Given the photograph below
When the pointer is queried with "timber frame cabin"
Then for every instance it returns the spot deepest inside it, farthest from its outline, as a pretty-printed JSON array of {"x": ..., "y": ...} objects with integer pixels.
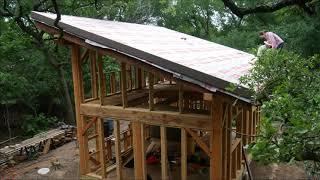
[{"x": 166, "y": 79}]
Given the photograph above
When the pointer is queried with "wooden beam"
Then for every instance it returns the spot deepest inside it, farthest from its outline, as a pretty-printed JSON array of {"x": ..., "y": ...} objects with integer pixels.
[
  {"x": 180, "y": 101},
  {"x": 102, "y": 80},
  {"x": 216, "y": 140},
  {"x": 160, "y": 118},
  {"x": 124, "y": 85},
  {"x": 184, "y": 163},
  {"x": 112, "y": 82},
  {"x": 228, "y": 128},
  {"x": 79, "y": 98},
  {"x": 101, "y": 147},
  {"x": 88, "y": 125},
  {"x": 117, "y": 148},
  {"x": 139, "y": 78},
  {"x": 137, "y": 150},
  {"x": 202, "y": 145},
  {"x": 84, "y": 55},
  {"x": 239, "y": 129},
  {"x": 164, "y": 155},
  {"x": 151, "y": 91},
  {"x": 93, "y": 71},
  {"x": 143, "y": 152}
]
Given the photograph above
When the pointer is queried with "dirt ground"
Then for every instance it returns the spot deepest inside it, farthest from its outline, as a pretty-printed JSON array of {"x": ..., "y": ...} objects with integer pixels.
[{"x": 68, "y": 157}]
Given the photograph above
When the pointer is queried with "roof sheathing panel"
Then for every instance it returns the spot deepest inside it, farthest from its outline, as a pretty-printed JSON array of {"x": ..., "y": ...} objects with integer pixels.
[{"x": 191, "y": 58}]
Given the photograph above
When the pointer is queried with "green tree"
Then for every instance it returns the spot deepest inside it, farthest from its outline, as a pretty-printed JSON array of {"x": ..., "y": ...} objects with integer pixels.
[{"x": 288, "y": 87}]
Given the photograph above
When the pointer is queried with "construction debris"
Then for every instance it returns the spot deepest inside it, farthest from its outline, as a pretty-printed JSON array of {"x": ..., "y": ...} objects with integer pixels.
[{"x": 39, "y": 144}]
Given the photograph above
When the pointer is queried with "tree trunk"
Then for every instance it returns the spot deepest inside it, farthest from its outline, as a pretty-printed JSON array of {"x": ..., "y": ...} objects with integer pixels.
[{"x": 66, "y": 92}]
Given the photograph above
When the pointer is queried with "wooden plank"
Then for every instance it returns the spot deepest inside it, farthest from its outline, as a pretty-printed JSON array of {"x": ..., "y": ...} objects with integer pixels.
[
  {"x": 202, "y": 144},
  {"x": 143, "y": 152},
  {"x": 216, "y": 140},
  {"x": 246, "y": 126},
  {"x": 180, "y": 101},
  {"x": 117, "y": 148},
  {"x": 239, "y": 130},
  {"x": 207, "y": 96},
  {"x": 101, "y": 147},
  {"x": 160, "y": 118},
  {"x": 129, "y": 77},
  {"x": 234, "y": 164},
  {"x": 124, "y": 85},
  {"x": 151, "y": 91},
  {"x": 164, "y": 155},
  {"x": 93, "y": 72},
  {"x": 137, "y": 150},
  {"x": 250, "y": 128},
  {"x": 46, "y": 146},
  {"x": 229, "y": 141},
  {"x": 88, "y": 125},
  {"x": 102, "y": 80},
  {"x": 184, "y": 163},
  {"x": 112, "y": 82},
  {"x": 84, "y": 55},
  {"x": 79, "y": 98},
  {"x": 139, "y": 78}
]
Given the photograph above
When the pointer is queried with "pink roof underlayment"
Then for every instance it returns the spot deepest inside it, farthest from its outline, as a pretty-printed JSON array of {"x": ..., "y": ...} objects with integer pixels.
[{"x": 208, "y": 64}]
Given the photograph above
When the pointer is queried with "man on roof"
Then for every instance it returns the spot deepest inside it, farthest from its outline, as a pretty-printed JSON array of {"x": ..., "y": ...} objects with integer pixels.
[{"x": 271, "y": 40}]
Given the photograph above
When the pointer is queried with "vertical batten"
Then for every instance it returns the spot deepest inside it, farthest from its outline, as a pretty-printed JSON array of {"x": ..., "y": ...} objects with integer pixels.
[
  {"x": 143, "y": 154},
  {"x": 137, "y": 150},
  {"x": 124, "y": 85},
  {"x": 180, "y": 101},
  {"x": 94, "y": 77},
  {"x": 101, "y": 148},
  {"x": 79, "y": 98},
  {"x": 216, "y": 140},
  {"x": 151, "y": 82},
  {"x": 184, "y": 165},
  {"x": 102, "y": 82},
  {"x": 117, "y": 148},
  {"x": 164, "y": 156}
]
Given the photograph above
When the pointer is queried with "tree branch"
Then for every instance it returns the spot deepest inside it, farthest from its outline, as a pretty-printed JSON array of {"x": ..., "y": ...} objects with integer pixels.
[{"x": 266, "y": 8}]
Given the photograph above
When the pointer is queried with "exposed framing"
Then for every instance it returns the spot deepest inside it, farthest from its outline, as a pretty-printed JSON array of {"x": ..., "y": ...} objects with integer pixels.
[{"x": 188, "y": 107}]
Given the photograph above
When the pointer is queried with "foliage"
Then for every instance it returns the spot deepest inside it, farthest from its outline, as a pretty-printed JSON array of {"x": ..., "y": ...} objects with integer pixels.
[
  {"x": 35, "y": 124},
  {"x": 288, "y": 85}
]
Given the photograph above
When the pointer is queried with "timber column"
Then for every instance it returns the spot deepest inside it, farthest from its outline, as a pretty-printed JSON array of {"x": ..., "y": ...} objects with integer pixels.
[
  {"x": 78, "y": 99},
  {"x": 216, "y": 165}
]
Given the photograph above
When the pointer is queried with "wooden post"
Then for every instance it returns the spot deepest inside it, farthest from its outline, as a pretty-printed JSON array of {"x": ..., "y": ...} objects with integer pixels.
[
  {"x": 102, "y": 82},
  {"x": 112, "y": 82},
  {"x": 143, "y": 78},
  {"x": 124, "y": 85},
  {"x": 151, "y": 103},
  {"x": 184, "y": 163},
  {"x": 216, "y": 140},
  {"x": 79, "y": 98},
  {"x": 139, "y": 78},
  {"x": 250, "y": 124},
  {"x": 246, "y": 126},
  {"x": 143, "y": 154},
  {"x": 180, "y": 101},
  {"x": 228, "y": 142},
  {"x": 137, "y": 150},
  {"x": 164, "y": 156},
  {"x": 94, "y": 77},
  {"x": 239, "y": 130},
  {"x": 101, "y": 147},
  {"x": 117, "y": 148},
  {"x": 129, "y": 77}
]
